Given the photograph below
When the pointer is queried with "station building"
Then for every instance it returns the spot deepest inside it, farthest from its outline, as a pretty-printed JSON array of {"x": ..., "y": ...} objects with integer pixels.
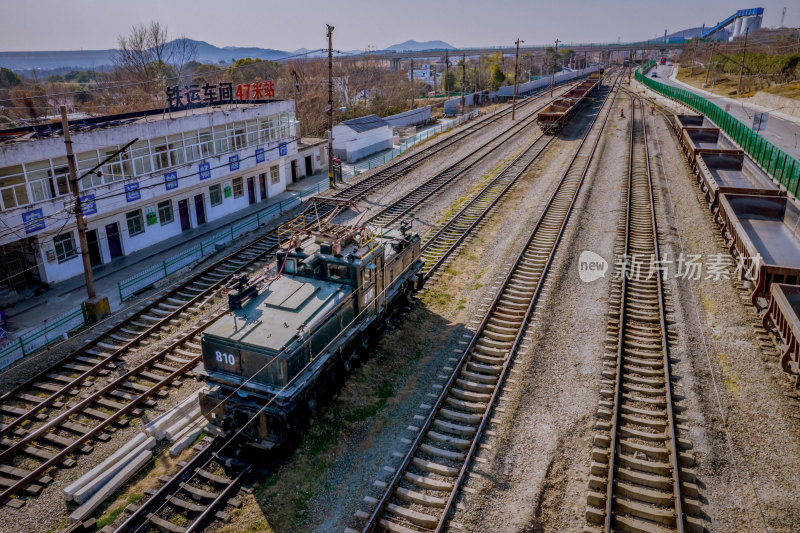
[
  {"x": 187, "y": 167},
  {"x": 360, "y": 137}
]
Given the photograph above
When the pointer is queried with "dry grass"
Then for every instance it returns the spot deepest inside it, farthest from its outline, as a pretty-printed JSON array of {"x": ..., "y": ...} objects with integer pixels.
[
  {"x": 787, "y": 90},
  {"x": 726, "y": 84}
]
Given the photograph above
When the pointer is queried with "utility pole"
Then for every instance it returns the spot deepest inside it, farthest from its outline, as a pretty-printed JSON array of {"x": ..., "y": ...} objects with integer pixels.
[
  {"x": 330, "y": 104},
  {"x": 694, "y": 52},
  {"x": 463, "y": 81},
  {"x": 555, "y": 66},
  {"x": 411, "y": 77},
  {"x": 516, "y": 77},
  {"x": 80, "y": 222},
  {"x": 708, "y": 65},
  {"x": 446, "y": 73},
  {"x": 744, "y": 54}
]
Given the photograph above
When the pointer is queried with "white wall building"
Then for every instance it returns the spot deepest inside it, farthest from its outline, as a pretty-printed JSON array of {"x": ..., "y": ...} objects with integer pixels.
[
  {"x": 187, "y": 168},
  {"x": 425, "y": 75},
  {"x": 359, "y": 137}
]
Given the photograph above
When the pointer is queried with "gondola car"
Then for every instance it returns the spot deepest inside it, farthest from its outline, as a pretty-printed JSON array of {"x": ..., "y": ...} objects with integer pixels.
[{"x": 270, "y": 360}]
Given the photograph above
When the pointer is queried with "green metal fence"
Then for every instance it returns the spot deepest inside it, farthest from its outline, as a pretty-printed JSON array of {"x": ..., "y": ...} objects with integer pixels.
[
  {"x": 51, "y": 331},
  {"x": 784, "y": 168},
  {"x": 147, "y": 277}
]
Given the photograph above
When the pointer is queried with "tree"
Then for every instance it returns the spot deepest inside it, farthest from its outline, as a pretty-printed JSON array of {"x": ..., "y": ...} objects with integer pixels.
[
  {"x": 498, "y": 77},
  {"x": 9, "y": 79},
  {"x": 247, "y": 70}
]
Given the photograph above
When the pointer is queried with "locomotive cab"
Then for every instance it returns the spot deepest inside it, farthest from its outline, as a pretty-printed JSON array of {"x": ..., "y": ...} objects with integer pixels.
[{"x": 268, "y": 361}]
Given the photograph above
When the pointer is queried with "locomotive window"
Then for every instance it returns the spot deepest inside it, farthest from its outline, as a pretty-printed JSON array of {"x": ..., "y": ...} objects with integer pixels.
[
  {"x": 290, "y": 267},
  {"x": 337, "y": 272},
  {"x": 369, "y": 276}
]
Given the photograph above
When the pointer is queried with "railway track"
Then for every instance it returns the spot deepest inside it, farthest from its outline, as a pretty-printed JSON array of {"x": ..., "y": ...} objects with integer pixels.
[
  {"x": 195, "y": 496},
  {"x": 423, "y": 489},
  {"x": 392, "y": 213},
  {"x": 451, "y": 234},
  {"x": 640, "y": 476},
  {"x": 405, "y": 165},
  {"x": 40, "y": 422}
]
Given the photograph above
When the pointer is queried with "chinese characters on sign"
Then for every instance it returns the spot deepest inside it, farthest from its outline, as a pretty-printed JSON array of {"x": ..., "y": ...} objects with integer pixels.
[
  {"x": 233, "y": 162},
  {"x": 33, "y": 220},
  {"x": 205, "y": 171},
  {"x": 171, "y": 180},
  {"x": 260, "y": 157},
  {"x": 210, "y": 94},
  {"x": 132, "y": 192},
  {"x": 282, "y": 150},
  {"x": 88, "y": 205}
]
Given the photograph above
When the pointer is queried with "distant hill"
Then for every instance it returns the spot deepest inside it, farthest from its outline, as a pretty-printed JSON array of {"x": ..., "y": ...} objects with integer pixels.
[
  {"x": 64, "y": 60},
  {"x": 417, "y": 46},
  {"x": 103, "y": 59}
]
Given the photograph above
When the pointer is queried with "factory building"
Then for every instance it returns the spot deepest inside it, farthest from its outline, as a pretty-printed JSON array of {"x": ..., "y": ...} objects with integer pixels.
[
  {"x": 186, "y": 168},
  {"x": 360, "y": 137}
]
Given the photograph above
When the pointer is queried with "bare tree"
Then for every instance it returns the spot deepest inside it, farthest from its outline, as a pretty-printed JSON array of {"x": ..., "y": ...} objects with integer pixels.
[
  {"x": 182, "y": 51},
  {"x": 143, "y": 53}
]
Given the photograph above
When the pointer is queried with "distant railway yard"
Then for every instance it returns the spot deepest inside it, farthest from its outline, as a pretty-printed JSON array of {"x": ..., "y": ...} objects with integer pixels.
[{"x": 581, "y": 319}]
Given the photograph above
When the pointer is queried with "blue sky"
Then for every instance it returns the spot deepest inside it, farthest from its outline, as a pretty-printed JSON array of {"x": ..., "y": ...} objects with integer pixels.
[{"x": 288, "y": 25}]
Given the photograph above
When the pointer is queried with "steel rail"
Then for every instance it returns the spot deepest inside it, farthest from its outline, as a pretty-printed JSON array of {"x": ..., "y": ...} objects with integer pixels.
[
  {"x": 383, "y": 176},
  {"x": 20, "y": 444},
  {"x": 142, "y": 515},
  {"x": 391, "y": 213},
  {"x": 621, "y": 348},
  {"x": 374, "y": 519},
  {"x": 76, "y": 409},
  {"x": 446, "y": 229}
]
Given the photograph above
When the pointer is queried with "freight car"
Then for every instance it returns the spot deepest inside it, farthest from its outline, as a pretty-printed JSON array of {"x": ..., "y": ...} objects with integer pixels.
[
  {"x": 722, "y": 172},
  {"x": 760, "y": 231},
  {"x": 783, "y": 314},
  {"x": 267, "y": 364},
  {"x": 553, "y": 117}
]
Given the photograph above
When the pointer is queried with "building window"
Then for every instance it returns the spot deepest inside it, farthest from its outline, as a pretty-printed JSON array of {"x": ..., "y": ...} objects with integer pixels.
[
  {"x": 135, "y": 223},
  {"x": 160, "y": 154},
  {"x": 65, "y": 247},
  {"x": 165, "y": 212},
  {"x": 238, "y": 187},
  {"x": 140, "y": 155},
  {"x": 274, "y": 175},
  {"x": 206, "y": 143},
  {"x": 215, "y": 192}
]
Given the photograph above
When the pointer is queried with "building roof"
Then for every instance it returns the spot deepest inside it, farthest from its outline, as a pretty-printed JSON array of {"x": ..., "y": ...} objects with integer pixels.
[
  {"x": 81, "y": 125},
  {"x": 370, "y": 122}
]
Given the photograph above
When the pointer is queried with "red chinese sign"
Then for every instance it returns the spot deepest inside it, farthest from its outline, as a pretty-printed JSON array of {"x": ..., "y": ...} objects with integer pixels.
[{"x": 212, "y": 94}]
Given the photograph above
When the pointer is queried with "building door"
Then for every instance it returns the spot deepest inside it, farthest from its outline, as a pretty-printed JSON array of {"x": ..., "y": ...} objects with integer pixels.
[
  {"x": 262, "y": 184},
  {"x": 183, "y": 213},
  {"x": 294, "y": 170},
  {"x": 309, "y": 170},
  {"x": 251, "y": 189},
  {"x": 114, "y": 244},
  {"x": 94, "y": 248},
  {"x": 200, "y": 209}
]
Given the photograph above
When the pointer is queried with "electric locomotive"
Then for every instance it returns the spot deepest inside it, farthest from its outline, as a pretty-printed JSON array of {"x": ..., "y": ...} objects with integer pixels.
[{"x": 267, "y": 362}]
